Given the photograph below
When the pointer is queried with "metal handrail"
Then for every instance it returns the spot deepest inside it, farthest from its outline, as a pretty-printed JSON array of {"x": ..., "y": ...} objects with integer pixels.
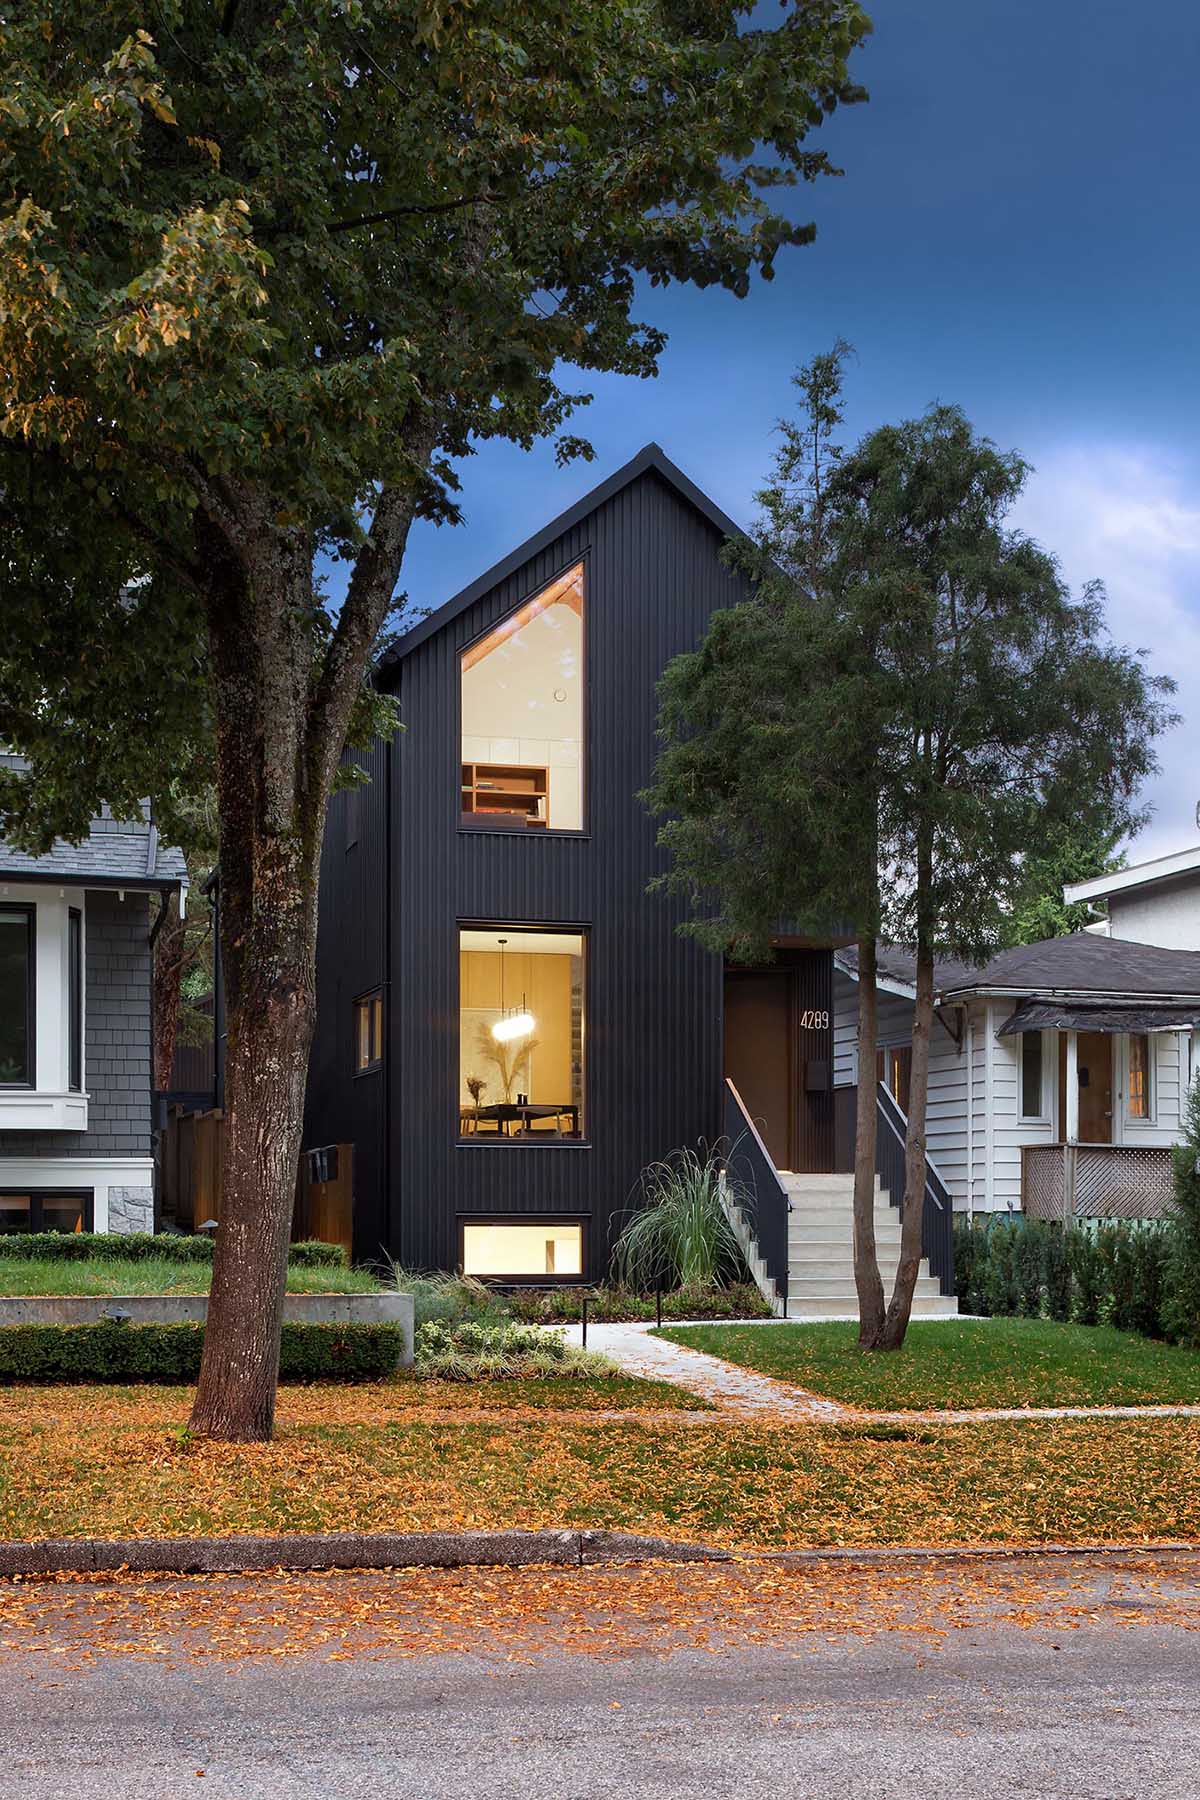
[
  {"x": 937, "y": 1211},
  {"x": 770, "y": 1197}
]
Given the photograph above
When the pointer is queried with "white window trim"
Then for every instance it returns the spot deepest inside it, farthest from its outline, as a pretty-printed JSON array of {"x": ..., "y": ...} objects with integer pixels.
[{"x": 51, "y": 1104}]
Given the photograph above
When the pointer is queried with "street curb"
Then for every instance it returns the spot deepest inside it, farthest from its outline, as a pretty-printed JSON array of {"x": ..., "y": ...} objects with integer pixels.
[
  {"x": 929, "y": 1553},
  {"x": 344, "y": 1550}
]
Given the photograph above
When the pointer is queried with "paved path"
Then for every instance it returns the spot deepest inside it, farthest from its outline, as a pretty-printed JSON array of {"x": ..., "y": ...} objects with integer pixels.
[
  {"x": 1000, "y": 1692},
  {"x": 752, "y": 1395},
  {"x": 731, "y": 1389}
]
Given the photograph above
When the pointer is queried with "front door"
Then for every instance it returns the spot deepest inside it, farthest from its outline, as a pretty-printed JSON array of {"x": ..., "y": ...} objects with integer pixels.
[
  {"x": 1095, "y": 1086},
  {"x": 758, "y": 1054}
]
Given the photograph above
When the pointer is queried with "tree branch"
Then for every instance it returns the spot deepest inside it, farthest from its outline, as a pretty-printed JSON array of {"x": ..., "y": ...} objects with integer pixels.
[{"x": 401, "y": 212}]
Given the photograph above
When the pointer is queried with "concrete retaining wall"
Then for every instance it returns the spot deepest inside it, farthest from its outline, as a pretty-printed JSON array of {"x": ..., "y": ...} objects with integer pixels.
[{"x": 192, "y": 1309}]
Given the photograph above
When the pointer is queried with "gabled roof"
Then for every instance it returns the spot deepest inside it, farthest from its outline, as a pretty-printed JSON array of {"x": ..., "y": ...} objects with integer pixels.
[
  {"x": 115, "y": 853},
  {"x": 651, "y": 460},
  {"x": 1080, "y": 963},
  {"x": 1141, "y": 875}
]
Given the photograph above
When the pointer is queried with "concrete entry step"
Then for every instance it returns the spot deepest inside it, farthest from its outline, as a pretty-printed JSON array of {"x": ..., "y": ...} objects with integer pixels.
[{"x": 941, "y": 1306}]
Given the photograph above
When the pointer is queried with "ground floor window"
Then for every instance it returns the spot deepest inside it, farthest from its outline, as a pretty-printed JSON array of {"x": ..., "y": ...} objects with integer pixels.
[
  {"x": 893, "y": 1067},
  {"x": 521, "y": 1034},
  {"x": 1140, "y": 1097},
  {"x": 506, "y": 1251},
  {"x": 45, "y": 1212}
]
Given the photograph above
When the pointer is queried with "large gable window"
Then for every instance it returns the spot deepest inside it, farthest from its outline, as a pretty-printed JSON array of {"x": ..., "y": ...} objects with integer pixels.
[
  {"x": 522, "y": 716},
  {"x": 16, "y": 996}
]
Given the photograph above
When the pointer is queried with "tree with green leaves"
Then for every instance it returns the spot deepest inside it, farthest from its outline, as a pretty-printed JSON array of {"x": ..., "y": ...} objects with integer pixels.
[
  {"x": 901, "y": 729},
  {"x": 266, "y": 269},
  {"x": 1071, "y": 853}
]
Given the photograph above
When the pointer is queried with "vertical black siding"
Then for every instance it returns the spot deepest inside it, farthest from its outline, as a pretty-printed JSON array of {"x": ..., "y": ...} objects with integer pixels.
[{"x": 653, "y": 1075}]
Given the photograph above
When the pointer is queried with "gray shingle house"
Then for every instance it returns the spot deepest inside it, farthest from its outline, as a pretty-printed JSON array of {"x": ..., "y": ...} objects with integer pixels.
[{"x": 75, "y": 1028}]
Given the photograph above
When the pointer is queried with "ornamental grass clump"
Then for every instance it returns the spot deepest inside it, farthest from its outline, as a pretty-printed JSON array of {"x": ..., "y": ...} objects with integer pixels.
[{"x": 680, "y": 1234}]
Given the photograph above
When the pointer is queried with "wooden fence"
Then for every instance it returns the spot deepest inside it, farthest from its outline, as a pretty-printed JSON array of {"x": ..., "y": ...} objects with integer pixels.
[{"x": 190, "y": 1150}]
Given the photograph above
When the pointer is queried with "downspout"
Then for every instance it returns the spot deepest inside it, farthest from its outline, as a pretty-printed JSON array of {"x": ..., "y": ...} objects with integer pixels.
[
  {"x": 970, "y": 1115},
  {"x": 989, "y": 1123},
  {"x": 388, "y": 1009}
]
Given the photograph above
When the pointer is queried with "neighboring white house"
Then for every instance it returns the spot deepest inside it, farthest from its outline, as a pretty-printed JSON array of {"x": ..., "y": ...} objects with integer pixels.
[
  {"x": 1154, "y": 902},
  {"x": 1058, "y": 1071},
  {"x": 75, "y": 1028}
]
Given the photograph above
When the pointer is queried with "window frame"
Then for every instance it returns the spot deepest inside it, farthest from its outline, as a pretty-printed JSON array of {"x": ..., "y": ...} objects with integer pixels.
[
  {"x": 29, "y": 1083},
  {"x": 1041, "y": 1116},
  {"x": 371, "y": 998},
  {"x": 1147, "y": 1117},
  {"x": 533, "y": 1140},
  {"x": 75, "y": 999},
  {"x": 37, "y": 1198},
  {"x": 582, "y": 562},
  {"x": 533, "y": 1220}
]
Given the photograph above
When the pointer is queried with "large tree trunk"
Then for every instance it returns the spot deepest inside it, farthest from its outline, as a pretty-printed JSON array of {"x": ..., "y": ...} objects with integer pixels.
[
  {"x": 867, "y": 1280},
  {"x": 900, "y": 1306},
  {"x": 169, "y": 947}
]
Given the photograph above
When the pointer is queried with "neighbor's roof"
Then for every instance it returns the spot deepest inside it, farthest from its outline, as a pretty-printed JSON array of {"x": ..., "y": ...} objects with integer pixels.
[
  {"x": 651, "y": 459},
  {"x": 115, "y": 853},
  {"x": 1141, "y": 875},
  {"x": 1080, "y": 963}
]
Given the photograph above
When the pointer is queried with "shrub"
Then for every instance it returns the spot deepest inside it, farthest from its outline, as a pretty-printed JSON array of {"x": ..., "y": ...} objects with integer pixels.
[
  {"x": 443, "y": 1297},
  {"x": 614, "y": 1305},
  {"x": 1181, "y": 1285},
  {"x": 473, "y": 1351},
  {"x": 999, "y": 1276},
  {"x": 1056, "y": 1272},
  {"x": 680, "y": 1234},
  {"x": 142, "y": 1246},
  {"x": 1028, "y": 1263},
  {"x": 1089, "y": 1279},
  {"x": 171, "y": 1353}
]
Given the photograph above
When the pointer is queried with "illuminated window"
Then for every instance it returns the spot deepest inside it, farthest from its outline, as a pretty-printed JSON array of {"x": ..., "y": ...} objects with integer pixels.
[
  {"x": 893, "y": 1067},
  {"x": 1031, "y": 1075},
  {"x": 522, "y": 716},
  {"x": 499, "y": 1252},
  {"x": 1139, "y": 1075},
  {"x": 368, "y": 1033},
  {"x": 521, "y": 1024},
  {"x": 45, "y": 1212}
]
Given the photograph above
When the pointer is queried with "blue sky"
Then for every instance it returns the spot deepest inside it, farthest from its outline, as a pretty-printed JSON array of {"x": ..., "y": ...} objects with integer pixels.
[{"x": 1016, "y": 231}]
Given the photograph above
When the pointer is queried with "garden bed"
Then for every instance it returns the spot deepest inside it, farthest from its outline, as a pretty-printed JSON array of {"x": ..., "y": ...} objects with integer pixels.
[
  {"x": 616, "y": 1306},
  {"x": 948, "y": 1364}
]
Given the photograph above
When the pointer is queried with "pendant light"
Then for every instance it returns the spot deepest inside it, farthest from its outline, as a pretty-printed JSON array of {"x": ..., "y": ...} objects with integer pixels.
[{"x": 514, "y": 1024}]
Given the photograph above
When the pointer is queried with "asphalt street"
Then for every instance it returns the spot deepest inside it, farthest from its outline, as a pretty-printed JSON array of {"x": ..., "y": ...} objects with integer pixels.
[{"x": 1093, "y": 1699}]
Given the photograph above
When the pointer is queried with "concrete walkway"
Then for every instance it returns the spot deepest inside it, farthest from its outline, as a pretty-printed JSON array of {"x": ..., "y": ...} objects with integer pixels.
[
  {"x": 751, "y": 1395},
  {"x": 729, "y": 1388}
]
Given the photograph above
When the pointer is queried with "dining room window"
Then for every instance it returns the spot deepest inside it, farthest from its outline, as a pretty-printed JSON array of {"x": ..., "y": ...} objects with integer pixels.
[
  {"x": 521, "y": 1035},
  {"x": 522, "y": 715}
]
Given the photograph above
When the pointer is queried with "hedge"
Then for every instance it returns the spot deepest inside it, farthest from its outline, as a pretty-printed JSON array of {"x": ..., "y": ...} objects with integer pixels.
[
  {"x": 117, "y": 1352},
  {"x": 1116, "y": 1274},
  {"x": 138, "y": 1246}
]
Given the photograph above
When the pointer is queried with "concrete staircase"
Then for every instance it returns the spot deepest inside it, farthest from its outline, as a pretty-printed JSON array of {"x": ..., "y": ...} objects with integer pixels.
[{"x": 821, "y": 1251}]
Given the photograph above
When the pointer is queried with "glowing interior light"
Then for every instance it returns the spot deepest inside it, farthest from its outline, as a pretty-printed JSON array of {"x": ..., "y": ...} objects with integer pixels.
[{"x": 515, "y": 1026}]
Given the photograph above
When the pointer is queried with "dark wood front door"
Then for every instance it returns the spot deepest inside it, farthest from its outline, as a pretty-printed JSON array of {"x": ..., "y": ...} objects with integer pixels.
[
  {"x": 758, "y": 1055},
  {"x": 1095, "y": 1087}
]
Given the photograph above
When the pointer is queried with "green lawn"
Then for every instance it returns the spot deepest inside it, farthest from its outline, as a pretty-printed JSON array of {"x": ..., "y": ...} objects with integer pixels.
[
  {"x": 951, "y": 1363},
  {"x": 111, "y": 1275}
]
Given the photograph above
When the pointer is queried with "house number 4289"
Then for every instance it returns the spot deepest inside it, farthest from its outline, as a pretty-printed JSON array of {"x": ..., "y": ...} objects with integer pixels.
[{"x": 814, "y": 1021}]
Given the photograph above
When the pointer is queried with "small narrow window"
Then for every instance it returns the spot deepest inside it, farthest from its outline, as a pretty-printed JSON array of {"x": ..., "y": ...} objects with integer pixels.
[
  {"x": 1139, "y": 1075},
  {"x": 16, "y": 996},
  {"x": 893, "y": 1069},
  {"x": 509, "y": 1251},
  {"x": 368, "y": 1033},
  {"x": 75, "y": 999},
  {"x": 1031, "y": 1075}
]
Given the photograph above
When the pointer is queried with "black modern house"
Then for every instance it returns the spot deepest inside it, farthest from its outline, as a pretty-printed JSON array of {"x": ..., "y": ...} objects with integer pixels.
[{"x": 509, "y": 1027}]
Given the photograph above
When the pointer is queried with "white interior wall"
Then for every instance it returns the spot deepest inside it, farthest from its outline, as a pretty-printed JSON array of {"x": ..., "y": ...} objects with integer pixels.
[{"x": 511, "y": 713}]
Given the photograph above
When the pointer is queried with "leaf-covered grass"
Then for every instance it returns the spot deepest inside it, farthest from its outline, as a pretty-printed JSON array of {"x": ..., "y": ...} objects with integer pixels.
[
  {"x": 364, "y": 1460},
  {"x": 155, "y": 1275},
  {"x": 947, "y": 1364}
]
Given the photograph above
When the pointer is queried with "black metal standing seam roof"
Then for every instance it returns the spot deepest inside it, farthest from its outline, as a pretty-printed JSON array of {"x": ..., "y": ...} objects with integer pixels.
[
  {"x": 651, "y": 459},
  {"x": 1081, "y": 962}
]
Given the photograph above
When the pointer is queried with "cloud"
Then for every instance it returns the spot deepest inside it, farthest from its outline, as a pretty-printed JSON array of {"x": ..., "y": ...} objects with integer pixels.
[{"x": 1131, "y": 517}]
